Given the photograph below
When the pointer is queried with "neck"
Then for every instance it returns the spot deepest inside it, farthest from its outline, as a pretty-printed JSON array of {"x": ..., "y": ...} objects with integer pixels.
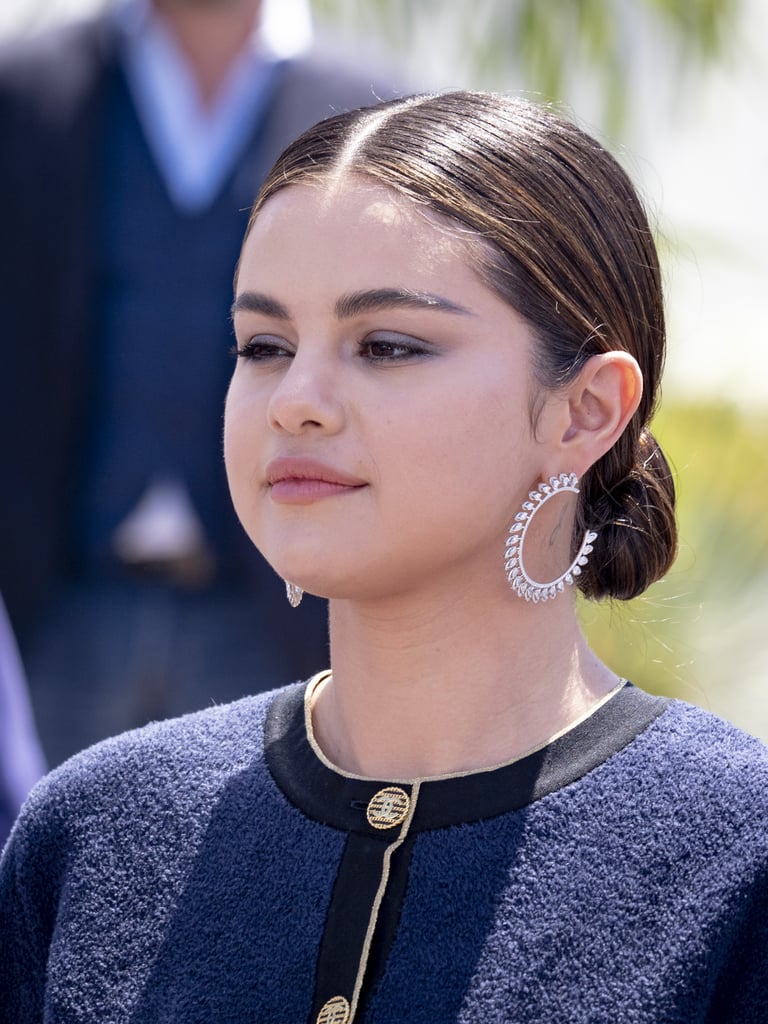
[
  {"x": 423, "y": 691},
  {"x": 211, "y": 36}
]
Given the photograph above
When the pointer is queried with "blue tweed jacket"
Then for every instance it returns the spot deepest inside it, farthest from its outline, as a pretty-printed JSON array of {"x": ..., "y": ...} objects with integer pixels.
[{"x": 216, "y": 868}]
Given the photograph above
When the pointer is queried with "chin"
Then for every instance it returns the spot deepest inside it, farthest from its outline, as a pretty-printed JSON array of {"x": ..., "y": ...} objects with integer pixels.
[{"x": 311, "y": 578}]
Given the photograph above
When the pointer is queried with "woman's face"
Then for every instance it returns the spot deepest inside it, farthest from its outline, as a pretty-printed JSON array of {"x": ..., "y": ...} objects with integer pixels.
[{"x": 377, "y": 432}]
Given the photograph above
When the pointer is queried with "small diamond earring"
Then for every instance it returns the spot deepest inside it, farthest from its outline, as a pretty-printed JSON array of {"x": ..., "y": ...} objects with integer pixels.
[{"x": 294, "y": 594}]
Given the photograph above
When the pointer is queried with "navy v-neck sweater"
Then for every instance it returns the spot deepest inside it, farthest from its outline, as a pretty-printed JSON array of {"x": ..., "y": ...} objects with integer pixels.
[{"x": 215, "y": 868}]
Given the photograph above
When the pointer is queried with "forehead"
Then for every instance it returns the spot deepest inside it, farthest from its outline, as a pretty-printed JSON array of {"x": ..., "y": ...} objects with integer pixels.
[{"x": 331, "y": 219}]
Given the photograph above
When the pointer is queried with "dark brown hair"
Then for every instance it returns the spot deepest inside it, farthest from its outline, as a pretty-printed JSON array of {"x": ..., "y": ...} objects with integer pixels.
[{"x": 570, "y": 249}]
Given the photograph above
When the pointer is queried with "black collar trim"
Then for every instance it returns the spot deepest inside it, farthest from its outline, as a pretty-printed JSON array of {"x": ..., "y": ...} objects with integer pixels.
[{"x": 340, "y": 801}]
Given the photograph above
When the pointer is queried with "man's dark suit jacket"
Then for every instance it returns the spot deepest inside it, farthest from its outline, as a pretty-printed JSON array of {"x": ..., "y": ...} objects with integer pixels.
[{"x": 52, "y": 91}]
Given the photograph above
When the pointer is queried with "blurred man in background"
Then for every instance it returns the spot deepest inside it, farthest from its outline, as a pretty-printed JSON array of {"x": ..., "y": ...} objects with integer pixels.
[{"x": 133, "y": 145}]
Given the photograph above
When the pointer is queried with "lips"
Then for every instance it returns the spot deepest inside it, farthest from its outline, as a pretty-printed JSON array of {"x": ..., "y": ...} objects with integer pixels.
[{"x": 295, "y": 480}]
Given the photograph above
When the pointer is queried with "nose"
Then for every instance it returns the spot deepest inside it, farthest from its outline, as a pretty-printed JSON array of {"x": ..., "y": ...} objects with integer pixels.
[{"x": 307, "y": 397}]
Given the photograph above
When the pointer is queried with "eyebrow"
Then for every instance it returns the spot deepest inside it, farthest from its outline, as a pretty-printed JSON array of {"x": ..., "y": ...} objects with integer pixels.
[
  {"x": 384, "y": 298},
  {"x": 354, "y": 303},
  {"x": 255, "y": 302}
]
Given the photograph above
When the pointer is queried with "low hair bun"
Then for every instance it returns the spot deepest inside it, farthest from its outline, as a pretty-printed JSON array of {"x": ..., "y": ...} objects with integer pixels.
[{"x": 635, "y": 521}]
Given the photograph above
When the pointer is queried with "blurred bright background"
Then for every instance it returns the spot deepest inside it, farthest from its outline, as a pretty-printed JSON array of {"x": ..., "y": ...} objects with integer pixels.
[{"x": 678, "y": 90}]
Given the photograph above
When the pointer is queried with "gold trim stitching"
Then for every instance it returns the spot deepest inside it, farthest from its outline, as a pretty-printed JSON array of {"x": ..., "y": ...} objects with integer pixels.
[
  {"x": 376, "y": 906},
  {"x": 321, "y": 677}
]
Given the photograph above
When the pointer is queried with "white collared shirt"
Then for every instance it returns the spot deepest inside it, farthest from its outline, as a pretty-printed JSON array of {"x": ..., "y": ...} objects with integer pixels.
[{"x": 195, "y": 145}]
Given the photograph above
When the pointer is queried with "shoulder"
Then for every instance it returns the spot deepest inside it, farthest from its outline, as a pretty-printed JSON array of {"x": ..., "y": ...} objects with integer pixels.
[
  {"x": 695, "y": 741},
  {"x": 709, "y": 816},
  {"x": 145, "y": 795},
  {"x": 170, "y": 770},
  {"x": 57, "y": 63},
  {"x": 221, "y": 738},
  {"x": 116, "y": 829},
  {"x": 698, "y": 779}
]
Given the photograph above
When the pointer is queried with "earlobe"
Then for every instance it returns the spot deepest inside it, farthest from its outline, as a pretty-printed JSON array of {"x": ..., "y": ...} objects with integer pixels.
[{"x": 600, "y": 402}]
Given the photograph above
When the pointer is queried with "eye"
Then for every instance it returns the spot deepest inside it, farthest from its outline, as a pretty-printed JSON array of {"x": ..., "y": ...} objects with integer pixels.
[
  {"x": 391, "y": 347},
  {"x": 264, "y": 347}
]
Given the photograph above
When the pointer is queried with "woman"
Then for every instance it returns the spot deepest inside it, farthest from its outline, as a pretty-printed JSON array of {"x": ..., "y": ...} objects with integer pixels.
[{"x": 449, "y": 337}]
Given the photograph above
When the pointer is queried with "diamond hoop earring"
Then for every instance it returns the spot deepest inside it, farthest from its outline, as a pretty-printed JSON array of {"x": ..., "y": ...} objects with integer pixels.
[
  {"x": 518, "y": 577},
  {"x": 293, "y": 593}
]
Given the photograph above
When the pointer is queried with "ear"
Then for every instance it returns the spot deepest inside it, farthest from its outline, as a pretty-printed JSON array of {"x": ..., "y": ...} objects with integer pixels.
[{"x": 594, "y": 410}]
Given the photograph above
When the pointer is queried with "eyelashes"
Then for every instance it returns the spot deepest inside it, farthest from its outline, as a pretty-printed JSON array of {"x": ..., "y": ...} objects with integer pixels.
[
  {"x": 386, "y": 347},
  {"x": 263, "y": 348},
  {"x": 391, "y": 347}
]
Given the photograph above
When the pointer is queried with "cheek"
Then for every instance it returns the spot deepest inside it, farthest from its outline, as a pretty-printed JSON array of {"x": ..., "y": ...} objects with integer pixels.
[
  {"x": 475, "y": 451},
  {"x": 240, "y": 449}
]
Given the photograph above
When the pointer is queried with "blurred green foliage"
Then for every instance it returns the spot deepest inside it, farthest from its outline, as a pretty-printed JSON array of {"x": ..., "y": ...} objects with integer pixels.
[
  {"x": 702, "y": 632},
  {"x": 540, "y": 45}
]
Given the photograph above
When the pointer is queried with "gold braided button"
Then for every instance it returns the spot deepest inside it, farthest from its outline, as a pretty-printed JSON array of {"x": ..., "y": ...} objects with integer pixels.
[
  {"x": 335, "y": 1011},
  {"x": 388, "y": 807}
]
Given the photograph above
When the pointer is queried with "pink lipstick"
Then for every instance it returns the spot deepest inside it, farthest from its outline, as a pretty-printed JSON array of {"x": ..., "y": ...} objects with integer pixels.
[{"x": 295, "y": 480}]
